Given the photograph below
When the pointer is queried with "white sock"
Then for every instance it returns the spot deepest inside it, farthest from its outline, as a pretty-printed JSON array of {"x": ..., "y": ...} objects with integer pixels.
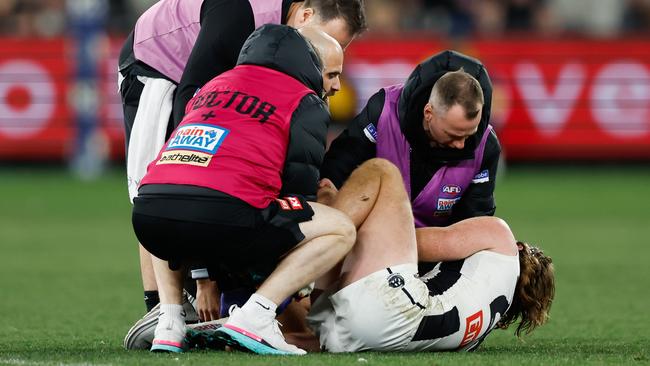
[
  {"x": 259, "y": 304},
  {"x": 172, "y": 311}
]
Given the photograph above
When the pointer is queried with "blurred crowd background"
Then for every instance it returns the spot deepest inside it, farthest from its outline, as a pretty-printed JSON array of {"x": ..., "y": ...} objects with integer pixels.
[{"x": 456, "y": 18}]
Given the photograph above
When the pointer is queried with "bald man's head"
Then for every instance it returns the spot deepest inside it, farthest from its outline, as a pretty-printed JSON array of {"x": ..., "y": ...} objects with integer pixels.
[{"x": 331, "y": 55}]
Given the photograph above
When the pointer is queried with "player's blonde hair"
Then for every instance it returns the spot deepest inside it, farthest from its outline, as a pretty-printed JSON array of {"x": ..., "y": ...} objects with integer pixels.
[{"x": 534, "y": 292}]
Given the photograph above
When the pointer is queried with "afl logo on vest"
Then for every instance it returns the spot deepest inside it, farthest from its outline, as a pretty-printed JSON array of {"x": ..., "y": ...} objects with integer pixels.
[
  {"x": 193, "y": 144},
  {"x": 451, "y": 190}
]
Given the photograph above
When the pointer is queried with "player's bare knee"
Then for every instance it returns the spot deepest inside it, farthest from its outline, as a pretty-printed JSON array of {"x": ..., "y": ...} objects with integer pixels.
[
  {"x": 382, "y": 166},
  {"x": 388, "y": 172}
]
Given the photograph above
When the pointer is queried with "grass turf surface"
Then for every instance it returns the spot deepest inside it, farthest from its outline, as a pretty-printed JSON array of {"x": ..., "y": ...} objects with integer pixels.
[{"x": 69, "y": 283}]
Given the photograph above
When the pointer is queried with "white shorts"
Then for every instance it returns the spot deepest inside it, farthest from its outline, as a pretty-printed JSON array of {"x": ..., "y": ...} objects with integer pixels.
[{"x": 380, "y": 312}]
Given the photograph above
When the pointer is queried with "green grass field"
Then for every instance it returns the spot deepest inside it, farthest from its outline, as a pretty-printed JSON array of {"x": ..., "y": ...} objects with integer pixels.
[{"x": 69, "y": 282}]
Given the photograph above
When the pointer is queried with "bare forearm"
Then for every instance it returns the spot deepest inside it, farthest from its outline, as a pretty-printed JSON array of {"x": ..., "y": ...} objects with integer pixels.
[
  {"x": 464, "y": 238},
  {"x": 433, "y": 245}
]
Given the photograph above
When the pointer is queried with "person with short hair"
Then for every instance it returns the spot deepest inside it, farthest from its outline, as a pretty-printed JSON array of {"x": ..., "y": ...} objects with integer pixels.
[
  {"x": 435, "y": 129},
  {"x": 179, "y": 45},
  {"x": 375, "y": 300},
  {"x": 227, "y": 191}
]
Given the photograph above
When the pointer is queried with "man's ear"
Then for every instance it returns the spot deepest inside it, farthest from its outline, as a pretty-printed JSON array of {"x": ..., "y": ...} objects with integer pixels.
[
  {"x": 428, "y": 111},
  {"x": 304, "y": 16}
]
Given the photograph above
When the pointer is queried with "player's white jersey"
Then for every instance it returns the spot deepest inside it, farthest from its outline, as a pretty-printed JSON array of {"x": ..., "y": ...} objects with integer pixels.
[{"x": 466, "y": 300}]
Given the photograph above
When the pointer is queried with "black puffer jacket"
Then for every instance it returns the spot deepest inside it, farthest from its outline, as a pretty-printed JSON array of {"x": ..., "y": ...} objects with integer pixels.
[
  {"x": 282, "y": 48},
  {"x": 353, "y": 147}
]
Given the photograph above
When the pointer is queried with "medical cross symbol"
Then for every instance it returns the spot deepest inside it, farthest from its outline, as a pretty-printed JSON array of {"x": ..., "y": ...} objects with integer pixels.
[{"x": 208, "y": 115}]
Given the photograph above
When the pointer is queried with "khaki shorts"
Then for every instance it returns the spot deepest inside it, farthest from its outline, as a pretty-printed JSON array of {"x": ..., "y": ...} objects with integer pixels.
[{"x": 380, "y": 312}]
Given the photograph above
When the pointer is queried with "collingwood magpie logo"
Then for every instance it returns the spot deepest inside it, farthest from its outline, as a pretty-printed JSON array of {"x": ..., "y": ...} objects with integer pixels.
[{"x": 395, "y": 280}]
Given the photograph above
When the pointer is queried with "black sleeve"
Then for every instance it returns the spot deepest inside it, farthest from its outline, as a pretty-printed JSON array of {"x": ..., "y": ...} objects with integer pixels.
[
  {"x": 478, "y": 200},
  {"x": 225, "y": 25},
  {"x": 307, "y": 140},
  {"x": 354, "y": 146}
]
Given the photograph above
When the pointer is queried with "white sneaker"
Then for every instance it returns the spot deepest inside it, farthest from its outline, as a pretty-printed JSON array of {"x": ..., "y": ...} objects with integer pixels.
[
  {"x": 141, "y": 334},
  {"x": 259, "y": 333},
  {"x": 169, "y": 335}
]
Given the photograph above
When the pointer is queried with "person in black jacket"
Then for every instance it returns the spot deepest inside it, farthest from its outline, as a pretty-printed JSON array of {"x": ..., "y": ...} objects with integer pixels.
[
  {"x": 300, "y": 175},
  {"x": 429, "y": 157},
  {"x": 213, "y": 195}
]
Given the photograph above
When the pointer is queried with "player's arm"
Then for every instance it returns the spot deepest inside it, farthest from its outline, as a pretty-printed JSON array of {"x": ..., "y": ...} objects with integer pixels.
[
  {"x": 307, "y": 139},
  {"x": 464, "y": 238},
  {"x": 354, "y": 145},
  {"x": 478, "y": 199},
  {"x": 225, "y": 26}
]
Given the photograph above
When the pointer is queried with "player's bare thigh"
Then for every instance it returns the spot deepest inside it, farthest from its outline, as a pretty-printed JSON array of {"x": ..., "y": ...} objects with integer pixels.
[
  {"x": 387, "y": 237},
  {"x": 326, "y": 221}
]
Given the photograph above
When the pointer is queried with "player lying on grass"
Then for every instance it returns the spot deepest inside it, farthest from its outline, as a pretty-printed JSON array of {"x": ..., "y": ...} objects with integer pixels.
[{"x": 376, "y": 301}]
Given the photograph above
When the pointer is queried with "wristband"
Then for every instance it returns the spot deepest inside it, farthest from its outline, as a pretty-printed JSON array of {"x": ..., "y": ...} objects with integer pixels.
[{"x": 200, "y": 274}]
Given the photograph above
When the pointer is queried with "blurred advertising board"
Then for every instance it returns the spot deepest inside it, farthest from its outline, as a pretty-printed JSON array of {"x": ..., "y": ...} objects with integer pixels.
[
  {"x": 553, "y": 100},
  {"x": 35, "y": 121},
  {"x": 36, "y": 95}
]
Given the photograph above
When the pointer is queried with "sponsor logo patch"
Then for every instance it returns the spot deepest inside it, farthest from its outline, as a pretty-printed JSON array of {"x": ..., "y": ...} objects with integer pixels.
[
  {"x": 371, "y": 132},
  {"x": 294, "y": 202},
  {"x": 185, "y": 157},
  {"x": 284, "y": 204},
  {"x": 451, "y": 189},
  {"x": 197, "y": 137},
  {"x": 482, "y": 177},
  {"x": 473, "y": 325},
  {"x": 445, "y": 204}
]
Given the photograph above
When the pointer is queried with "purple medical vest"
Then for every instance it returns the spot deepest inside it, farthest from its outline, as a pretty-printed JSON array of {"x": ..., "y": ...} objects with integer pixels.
[
  {"x": 432, "y": 207},
  {"x": 165, "y": 34}
]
